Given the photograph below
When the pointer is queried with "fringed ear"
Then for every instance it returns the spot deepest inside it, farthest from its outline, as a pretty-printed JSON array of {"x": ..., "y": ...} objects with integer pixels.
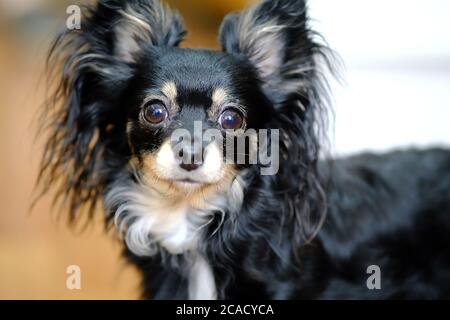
[
  {"x": 89, "y": 69},
  {"x": 146, "y": 22},
  {"x": 275, "y": 37}
]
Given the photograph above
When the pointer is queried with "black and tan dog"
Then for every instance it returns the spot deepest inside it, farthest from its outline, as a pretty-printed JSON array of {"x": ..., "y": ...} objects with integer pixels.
[{"x": 214, "y": 228}]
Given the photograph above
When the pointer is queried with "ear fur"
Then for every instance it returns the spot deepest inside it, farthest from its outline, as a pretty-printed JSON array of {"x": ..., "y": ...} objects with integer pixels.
[
  {"x": 146, "y": 22},
  {"x": 274, "y": 36},
  {"x": 89, "y": 69}
]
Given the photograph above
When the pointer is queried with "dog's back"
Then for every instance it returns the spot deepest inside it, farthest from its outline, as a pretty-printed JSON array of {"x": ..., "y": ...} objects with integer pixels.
[{"x": 391, "y": 212}]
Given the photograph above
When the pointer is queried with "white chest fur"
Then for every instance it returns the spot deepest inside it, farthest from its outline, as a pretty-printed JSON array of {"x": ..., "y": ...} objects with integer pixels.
[
  {"x": 201, "y": 280},
  {"x": 149, "y": 220}
]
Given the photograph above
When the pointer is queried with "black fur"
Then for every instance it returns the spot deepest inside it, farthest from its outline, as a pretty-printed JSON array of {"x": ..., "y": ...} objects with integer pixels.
[{"x": 310, "y": 231}]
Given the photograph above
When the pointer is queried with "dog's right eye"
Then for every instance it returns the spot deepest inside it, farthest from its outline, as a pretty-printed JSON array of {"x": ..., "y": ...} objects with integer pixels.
[{"x": 155, "y": 112}]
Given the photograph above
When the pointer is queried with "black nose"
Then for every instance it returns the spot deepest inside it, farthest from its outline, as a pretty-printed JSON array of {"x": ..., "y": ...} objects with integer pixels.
[
  {"x": 191, "y": 157},
  {"x": 189, "y": 167}
]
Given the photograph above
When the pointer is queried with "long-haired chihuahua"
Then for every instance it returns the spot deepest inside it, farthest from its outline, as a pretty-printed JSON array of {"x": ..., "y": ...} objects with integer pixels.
[{"x": 173, "y": 143}]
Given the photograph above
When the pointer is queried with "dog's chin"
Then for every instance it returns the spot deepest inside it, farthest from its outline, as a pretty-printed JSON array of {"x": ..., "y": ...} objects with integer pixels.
[
  {"x": 189, "y": 185},
  {"x": 182, "y": 186}
]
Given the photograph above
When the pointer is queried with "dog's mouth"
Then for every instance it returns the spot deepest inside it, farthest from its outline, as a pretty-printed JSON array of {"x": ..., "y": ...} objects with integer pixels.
[
  {"x": 189, "y": 184},
  {"x": 166, "y": 172},
  {"x": 189, "y": 181}
]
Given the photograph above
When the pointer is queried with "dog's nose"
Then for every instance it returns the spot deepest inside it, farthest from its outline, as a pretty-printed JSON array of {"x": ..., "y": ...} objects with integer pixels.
[
  {"x": 189, "y": 167},
  {"x": 191, "y": 157}
]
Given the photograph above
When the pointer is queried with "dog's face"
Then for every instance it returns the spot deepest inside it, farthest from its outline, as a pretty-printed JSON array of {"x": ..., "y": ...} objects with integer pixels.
[
  {"x": 134, "y": 102},
  {"x": 178, "y": 99}
]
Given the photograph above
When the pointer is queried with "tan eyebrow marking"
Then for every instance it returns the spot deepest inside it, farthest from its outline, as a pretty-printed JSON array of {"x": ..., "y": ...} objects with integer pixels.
[
  {"x": 169, "y": 89},
  {"x": 219, "y": 97}
]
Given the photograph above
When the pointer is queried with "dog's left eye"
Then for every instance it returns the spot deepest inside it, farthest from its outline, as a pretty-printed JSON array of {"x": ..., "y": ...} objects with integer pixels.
[
  {"x": 155, "y": 112},
  {"x": 231, "y": 120}
]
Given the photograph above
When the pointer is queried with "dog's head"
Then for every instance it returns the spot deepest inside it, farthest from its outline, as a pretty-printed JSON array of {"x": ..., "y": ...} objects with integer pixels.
[
  {"x": 182, "y": 107},
  {"x": 131, "y": 97}
]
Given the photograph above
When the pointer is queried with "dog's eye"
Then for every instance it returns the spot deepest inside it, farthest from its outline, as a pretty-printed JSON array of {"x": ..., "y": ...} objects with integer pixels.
[
  {"x": 231, "y": 120},
  {"x": 155, "y": 112}
]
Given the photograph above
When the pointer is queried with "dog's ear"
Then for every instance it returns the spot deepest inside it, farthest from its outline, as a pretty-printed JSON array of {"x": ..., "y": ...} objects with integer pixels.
[
  {"x": 89, "y": 69},
  {"x": 286, "y": 54},
  {"x": 146, "y": 22},
  {"x": 275, "y": 37}
]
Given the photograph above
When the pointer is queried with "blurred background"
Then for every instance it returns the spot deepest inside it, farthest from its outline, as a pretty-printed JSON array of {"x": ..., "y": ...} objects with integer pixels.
[{"x": 395, "y": 92}]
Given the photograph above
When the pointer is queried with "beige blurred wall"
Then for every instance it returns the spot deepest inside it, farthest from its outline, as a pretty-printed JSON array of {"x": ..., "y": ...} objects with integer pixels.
[{"x": 35, "y": 248}]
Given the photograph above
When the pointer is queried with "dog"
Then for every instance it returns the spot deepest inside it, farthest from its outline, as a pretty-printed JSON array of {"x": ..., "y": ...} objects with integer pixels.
[{"x": 196, "y": 222}]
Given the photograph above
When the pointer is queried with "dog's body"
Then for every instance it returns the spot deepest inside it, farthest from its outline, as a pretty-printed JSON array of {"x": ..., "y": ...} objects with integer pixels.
[
  {"x": 208, "y": 227},
  {"x": 390, "y": 211},
  {"x": 380, "y": 214}
]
